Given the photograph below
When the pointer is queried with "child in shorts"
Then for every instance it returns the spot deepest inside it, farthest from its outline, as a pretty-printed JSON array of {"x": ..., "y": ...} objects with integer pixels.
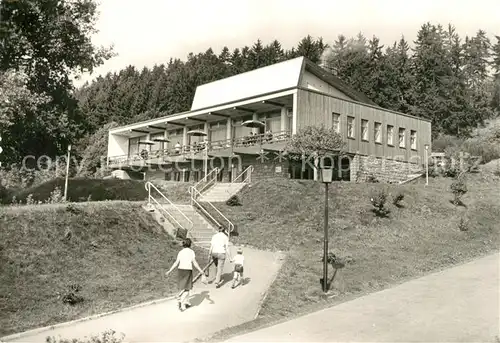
[{"x": 238, "y": 268}]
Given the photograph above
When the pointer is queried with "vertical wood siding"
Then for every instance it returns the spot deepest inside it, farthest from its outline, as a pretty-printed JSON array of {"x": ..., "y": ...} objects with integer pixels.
[{"x": 317, "y": 109}]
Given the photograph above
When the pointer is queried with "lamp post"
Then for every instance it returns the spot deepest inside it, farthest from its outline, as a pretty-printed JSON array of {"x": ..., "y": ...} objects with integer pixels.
[
  {"x": 67, "y": 175},
  {"x": 427, "y": 164},
  {"x": 326, "y": 178}
]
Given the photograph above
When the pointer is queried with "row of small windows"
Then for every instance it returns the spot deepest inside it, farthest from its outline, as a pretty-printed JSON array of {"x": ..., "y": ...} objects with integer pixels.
[{"x": 377, "y": 132}]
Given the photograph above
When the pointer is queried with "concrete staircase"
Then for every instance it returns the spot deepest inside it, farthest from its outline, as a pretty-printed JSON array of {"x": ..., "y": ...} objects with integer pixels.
[
  {"x": 199, "y": 229},
  {"x": 202, "y": 230},
  {"x": 221, "y": 192}
]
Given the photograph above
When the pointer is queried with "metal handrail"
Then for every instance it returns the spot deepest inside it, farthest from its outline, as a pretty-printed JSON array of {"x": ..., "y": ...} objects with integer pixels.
[
  {"x": 205, "y": 177},
  {"x": 148, "y": 186},
  {"x": 208, "y": 183},
  {"x": 249, "y": 176},
  {"x": 194, "y": 193}
]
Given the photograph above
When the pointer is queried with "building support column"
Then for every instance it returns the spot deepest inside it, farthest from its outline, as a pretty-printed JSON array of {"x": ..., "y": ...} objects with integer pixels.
[
  {"x": 206, "y": 129},
  {"x": 229, "y": 130},
  {"x": 284, "y": 120},
  {"x": 255, "y": 116},
  {"x": 293, "y": 129},
  {"x": 166, "y": 145},
  {"x": 148, "y": 138},
  {"x": 184, "y": 136}
]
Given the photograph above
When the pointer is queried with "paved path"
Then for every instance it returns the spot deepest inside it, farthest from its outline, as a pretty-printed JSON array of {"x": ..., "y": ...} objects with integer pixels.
[
  {"x": 213, "y": 309},
  {"x": 460, "y": 304}
]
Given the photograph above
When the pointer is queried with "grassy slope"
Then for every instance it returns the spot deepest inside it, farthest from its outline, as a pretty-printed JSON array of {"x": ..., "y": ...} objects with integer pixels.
[
  {"x": 79, "y": 189},
  {"x": 417, "y": 239},
  {"x": 117, "y": 253}
]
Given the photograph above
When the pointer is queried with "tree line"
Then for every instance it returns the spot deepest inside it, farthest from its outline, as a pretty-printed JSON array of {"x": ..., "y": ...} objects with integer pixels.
[{"x": 452, "y": 80}]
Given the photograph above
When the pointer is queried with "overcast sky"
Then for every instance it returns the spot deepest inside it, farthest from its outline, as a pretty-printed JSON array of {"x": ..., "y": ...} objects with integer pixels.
[{"x": 149, "y": 32}]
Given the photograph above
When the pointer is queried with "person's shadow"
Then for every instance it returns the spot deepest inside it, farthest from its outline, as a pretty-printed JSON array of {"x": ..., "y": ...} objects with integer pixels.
[
  {"x": 197, "y": 299},
  {"x": 228, "y": 277}
]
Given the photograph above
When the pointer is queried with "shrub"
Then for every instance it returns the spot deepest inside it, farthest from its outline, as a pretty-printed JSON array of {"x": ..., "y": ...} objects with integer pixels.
[
  {"x": 371, "y": 179},
  {"x": 378, "y": 201},
  {"x": 56, "y": 196},
  {"x": 4, "y": 194},
  {"x": 30, "y": 200},
  {"x": 334, "y": 260},
  {"x": 463, "y": 224},
  {"x": 396, "y": 200},
  {"x": 106, "y": 337},
  {"x": 72, "y": 296},
  {"x": 73, "y": 209},
  {"x": 458, "y": 188},
  {"x": 456, "y": 162},
  {"x": 487, "y": 151},
  {"x": 233, "y": 201}
]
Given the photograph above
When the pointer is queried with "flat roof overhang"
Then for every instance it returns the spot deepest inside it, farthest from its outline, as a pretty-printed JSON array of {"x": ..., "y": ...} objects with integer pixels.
[{"x": 235, "y": 111}]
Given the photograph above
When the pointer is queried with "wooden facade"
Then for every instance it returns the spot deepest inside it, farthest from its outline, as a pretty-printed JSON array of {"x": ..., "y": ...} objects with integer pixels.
[{"x": 316, "y": 108}]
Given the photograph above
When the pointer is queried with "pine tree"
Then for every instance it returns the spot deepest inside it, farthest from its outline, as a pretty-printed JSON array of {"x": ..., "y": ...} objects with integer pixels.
[
  {"x": 495, "y": 65},
  {"x": 431, "y": 71}
]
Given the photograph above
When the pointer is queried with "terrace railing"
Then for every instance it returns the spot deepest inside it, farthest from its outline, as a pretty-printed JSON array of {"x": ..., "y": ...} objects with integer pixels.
[{"x": 198, "y": 148}]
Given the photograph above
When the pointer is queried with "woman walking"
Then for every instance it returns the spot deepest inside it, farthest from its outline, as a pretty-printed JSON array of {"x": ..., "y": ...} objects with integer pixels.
[{"x": 184, "y": 263}]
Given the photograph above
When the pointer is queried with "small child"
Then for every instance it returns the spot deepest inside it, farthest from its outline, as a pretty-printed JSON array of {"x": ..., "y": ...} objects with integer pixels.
[{"x": 238, "y": 268}]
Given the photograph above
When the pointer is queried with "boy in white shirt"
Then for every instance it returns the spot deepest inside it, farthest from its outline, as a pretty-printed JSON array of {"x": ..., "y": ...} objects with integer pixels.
[{"x": 238, "y": 260}]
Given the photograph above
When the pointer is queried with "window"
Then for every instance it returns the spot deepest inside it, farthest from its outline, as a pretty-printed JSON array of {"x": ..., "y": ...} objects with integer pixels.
[
  {"x": 133, "y": 148},
  {"x": 364, "y": 129},
  {"x": 377, "y": 130},
  {"x": 402, "y": 137},
  {"x": 336, "y": 122},
  {"x": 413, "y": 139},
  {"x": 350, "y": 127},
  {"x": 390, "y": 133}
]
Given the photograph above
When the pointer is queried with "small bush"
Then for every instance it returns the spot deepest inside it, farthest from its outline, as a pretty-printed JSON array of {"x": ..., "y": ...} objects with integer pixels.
[
  {"x": 73, "y": 209},
  {"x": 371, "y": 179},
  {"x": 72, "y": 296},
  {"x": 30, "y": 200},
  {"x": 397, "y": 199},
  {"x": 233, "y": 201},
  {"x": 56, "y": 196},
  {"x": 463, "y": 224},
  {"x": 458, "y": 188},
  {"x": 487, "y": 151},
  {"x": 105, "y": 337},
  {"x": 334, "y": 260},
  {"x": 4, "y": 194},
  {"x": 378, "y": 201}
]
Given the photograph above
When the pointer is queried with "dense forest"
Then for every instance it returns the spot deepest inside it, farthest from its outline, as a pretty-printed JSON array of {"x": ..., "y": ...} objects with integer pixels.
[
  {"x": 452, "y": 80},
  {"x": 443, "y": 77}
]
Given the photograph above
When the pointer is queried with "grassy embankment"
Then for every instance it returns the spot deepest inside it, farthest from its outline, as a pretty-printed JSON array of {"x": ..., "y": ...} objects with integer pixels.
[
  {"x": 114, "y": 251},
  {"x": 420, "y": 237}
]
